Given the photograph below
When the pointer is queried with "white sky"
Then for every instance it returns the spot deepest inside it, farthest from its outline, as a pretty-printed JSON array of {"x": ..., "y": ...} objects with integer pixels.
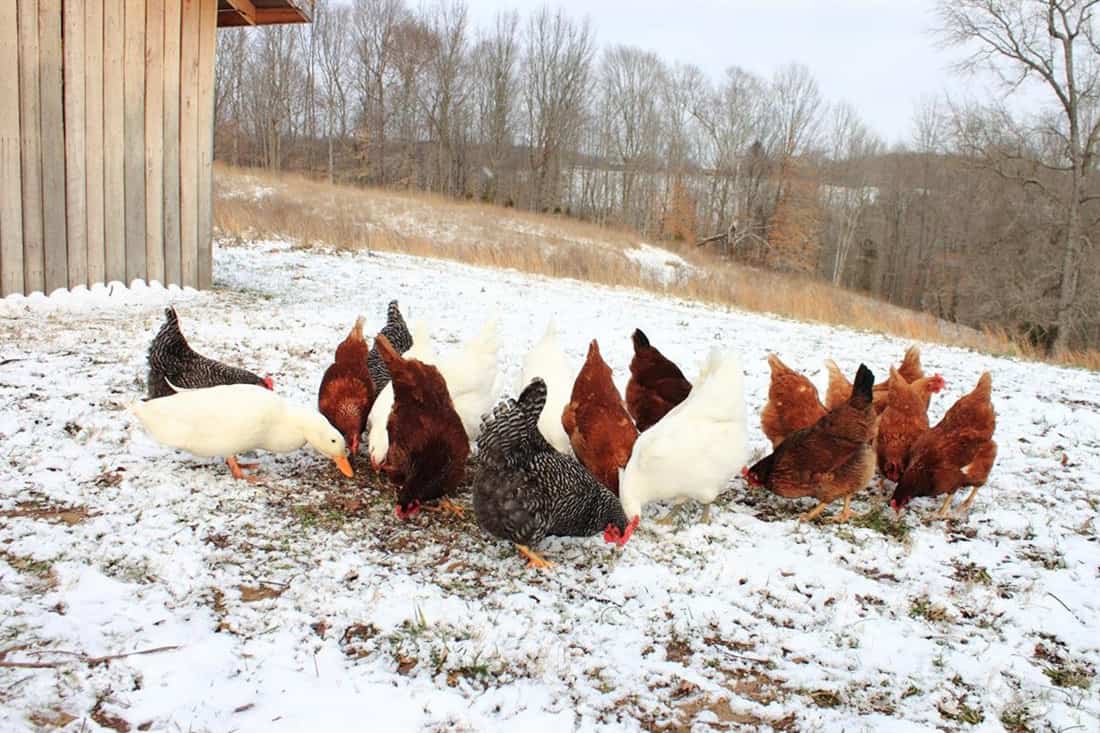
[{"x": 880, "y": 55}]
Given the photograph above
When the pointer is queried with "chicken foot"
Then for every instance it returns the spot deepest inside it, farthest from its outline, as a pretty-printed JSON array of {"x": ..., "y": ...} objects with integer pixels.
[
  {"x": 235, "y": 468},
  {"x": 449, "y": 507},
  {"x": 966, "y": 504},
  {"x": 674, "y": 512},
  {"x": 533, "y": 559},
  {"x": 945, "y": 508}
]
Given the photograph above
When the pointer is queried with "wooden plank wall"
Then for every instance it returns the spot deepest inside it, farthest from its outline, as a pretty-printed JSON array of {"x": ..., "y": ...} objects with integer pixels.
[{"x": 106, "y": 154}]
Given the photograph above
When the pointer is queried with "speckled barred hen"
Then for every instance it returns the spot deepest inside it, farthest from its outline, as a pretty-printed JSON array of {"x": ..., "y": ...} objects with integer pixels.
[
  {"x": 172, "y": 359},
  {"x": 397, "y": 333},
  {"x": 525, "y": 490}
]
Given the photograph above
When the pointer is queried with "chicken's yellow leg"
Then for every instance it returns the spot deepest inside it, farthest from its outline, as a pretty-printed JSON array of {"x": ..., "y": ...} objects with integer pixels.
[
  {"x": 448, "y": 506},
  {"x": 533, "y": 559},
  {"x": 969, "y": 500},
  {"x": 845, "y": 513},
  {"x": 814, "y": 513},
  {"x": 945, "y": 508}
]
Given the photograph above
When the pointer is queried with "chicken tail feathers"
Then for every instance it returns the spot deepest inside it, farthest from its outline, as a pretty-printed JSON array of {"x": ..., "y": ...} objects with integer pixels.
[
  {"x": 511, "y": 431},
  {"x": 640, "y": 340},
  {"x": 863, "y": 387}
]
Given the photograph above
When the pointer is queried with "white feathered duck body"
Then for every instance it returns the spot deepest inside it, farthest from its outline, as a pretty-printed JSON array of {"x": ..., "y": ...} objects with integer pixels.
[
  {"x": 525, "y": 490},
  {"x": 546, "y": 361},
  {"x": 471, "y": 375},
  {"x": 697, "y": 447},
  {"x": 229, "y": 419}
]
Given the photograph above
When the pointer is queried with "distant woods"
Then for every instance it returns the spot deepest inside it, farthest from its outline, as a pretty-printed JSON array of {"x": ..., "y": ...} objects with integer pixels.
[{"x": 983, "y": 218}]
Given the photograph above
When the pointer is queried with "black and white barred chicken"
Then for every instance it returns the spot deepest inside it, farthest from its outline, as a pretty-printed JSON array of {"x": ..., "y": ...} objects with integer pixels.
[
  {"x": 171, "y": 359},
  {"x": 397, "y": 333},
  {"x": 525, "y": 490}
]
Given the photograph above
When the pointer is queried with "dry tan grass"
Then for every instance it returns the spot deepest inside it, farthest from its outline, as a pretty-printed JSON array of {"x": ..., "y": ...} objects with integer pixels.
[{"x": 251, "y": 204}]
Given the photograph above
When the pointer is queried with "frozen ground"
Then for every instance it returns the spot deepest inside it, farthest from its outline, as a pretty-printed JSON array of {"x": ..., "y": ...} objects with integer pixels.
[{"x": 303, "y": 604}]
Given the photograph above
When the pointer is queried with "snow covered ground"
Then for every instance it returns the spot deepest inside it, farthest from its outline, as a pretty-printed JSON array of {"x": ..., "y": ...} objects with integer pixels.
[{"x": 303, "y": 605}]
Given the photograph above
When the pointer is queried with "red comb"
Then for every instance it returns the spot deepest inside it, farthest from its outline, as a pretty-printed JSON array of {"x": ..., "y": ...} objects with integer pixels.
[{"x": 269, "y": 382}]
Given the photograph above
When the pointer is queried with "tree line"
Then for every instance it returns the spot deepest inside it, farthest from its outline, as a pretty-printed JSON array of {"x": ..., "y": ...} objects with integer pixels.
[{"x": 984, "y": 218}]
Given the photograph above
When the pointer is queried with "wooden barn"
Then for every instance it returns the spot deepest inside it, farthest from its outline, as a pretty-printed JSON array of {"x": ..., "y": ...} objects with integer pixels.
[{"x": 106, "y": 137}]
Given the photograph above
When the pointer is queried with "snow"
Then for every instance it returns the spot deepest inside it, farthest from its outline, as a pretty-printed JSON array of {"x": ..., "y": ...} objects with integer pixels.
[
  {"x": 753, "y": 620},
  {"x": 659, "y": 264}
]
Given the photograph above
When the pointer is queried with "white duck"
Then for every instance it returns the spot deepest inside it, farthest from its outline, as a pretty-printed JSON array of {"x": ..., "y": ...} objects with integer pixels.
[
  {"x": 695, "y": 449},
  {"x": 378, "y": 437},
  {"x": 234, "y": 418},
  {"x": 471, "y": 374},
  {"x": 547, "y": 361}
]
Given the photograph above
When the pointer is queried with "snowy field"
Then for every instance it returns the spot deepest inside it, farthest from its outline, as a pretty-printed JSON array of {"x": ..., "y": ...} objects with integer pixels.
[{"x": 302, "y": 604}]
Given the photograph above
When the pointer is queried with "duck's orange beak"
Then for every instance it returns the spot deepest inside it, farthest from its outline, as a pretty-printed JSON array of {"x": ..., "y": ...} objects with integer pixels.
[{"x": 344, "y": 465}]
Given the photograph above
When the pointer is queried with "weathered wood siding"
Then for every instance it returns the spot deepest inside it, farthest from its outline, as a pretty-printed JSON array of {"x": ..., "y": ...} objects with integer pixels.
[{"x": 106, "y": 150}]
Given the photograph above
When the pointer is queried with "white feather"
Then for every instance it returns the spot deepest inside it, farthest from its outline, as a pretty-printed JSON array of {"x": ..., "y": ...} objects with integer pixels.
[
  {"x": 547, "y": 360},
  {"x": 694, "y": 449},
  {"x": 471, "y": 375}
]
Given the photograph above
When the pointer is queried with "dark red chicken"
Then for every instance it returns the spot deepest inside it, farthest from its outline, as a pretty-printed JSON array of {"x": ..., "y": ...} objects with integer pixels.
[{"x": 656, "y": 384}]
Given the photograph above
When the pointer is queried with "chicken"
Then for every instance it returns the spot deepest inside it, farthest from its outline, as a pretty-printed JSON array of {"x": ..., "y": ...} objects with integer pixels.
[
  {"x": 656, "y": 384},
  {"x": 903, "y": 420},
  {"x": 547, "y": 362},
  {"x": 428, "y": 446},
  {"x": 347, "y": 391},
  {"x": 829, "y": 460},
  {"x": 598, "y": 425},
  {"x": 840, "y": 389},
  {"x": 172, "y": 359},
  {"x": 958, "y": 452},
  {"x": 524, "y": 490},
  {"x": 696, "y": 448},
  {"x": 233, "y": 418},
  {"x": 378, "y": 439},
  {"x": 471, "y": 375},
  {"x": 397, "y": 333},
  {"x": 792, "y": 404}
]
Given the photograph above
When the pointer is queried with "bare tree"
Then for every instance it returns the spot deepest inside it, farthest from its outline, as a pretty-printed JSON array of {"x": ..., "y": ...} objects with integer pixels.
[
  {"x": 376, "y": 23},
  {"x": 445, "y": 92},
  {"x": 556, "y": 67},
  {"x": 495, "y": 63},
  {"x": 850, "y": 193},
  {"x": 1055, "y": 43},
  {"x": 331, "y": 29}
]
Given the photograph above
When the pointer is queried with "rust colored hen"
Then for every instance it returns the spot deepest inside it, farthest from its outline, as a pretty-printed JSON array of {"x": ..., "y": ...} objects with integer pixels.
[
  {"x": 830, "y": 460},
  {"x": 903, "y": 420},
  {"x": 656, "y": 384},
  {"x": 347, "y": 392},
  {"x": 958, "y": 452},
  {"x": 793, "y": 403},
  {"x": 599, "y": 428},
  {"x": 428, "y": 445}
]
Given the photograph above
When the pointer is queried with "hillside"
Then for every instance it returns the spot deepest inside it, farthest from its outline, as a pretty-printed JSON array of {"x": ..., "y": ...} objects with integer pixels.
[{"x": 303, "y": 604}]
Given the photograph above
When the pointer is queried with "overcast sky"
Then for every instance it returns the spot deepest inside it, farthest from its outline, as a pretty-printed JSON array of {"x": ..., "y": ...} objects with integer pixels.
[{"x": 878, "y": 54}]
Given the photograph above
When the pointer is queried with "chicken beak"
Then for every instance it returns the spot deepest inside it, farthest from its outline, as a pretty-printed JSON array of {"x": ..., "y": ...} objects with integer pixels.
[{"x": 344, "y": 465}]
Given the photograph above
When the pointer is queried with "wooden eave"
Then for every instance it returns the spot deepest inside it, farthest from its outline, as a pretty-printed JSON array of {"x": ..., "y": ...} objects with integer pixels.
[{"x": 232, "y": 13}]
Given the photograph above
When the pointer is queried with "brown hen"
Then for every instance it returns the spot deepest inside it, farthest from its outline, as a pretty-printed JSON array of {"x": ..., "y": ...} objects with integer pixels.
[
  {"x": 910, "y": 369},
  {"x": 958, "y": 452},
  {"x": 656, "y": 384},
  {"x": 793, "y": 403},
  {"x": 428, "y": 444},
  {"x": 903, "y": 420},
  {"x": 598, "y": 425},
  {"x": 830, "y": 460},
  {"x": 347, "y": 392}
]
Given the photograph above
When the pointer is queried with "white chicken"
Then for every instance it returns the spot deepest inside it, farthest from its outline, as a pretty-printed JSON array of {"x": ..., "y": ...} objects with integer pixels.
[
  {"x": 233, "y": 418},
  {"x": 695, "y": 449},
  {"x": 546, "y": 361},
  {"x": 471, "y": 374},
  {"x": 378, "y": 438}
]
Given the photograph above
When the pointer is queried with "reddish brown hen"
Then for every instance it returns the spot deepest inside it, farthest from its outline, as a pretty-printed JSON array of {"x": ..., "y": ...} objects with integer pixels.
[
  {"x": 903, "y": 420},
  {"x": 599, "y": 428},
  {"x": 830, "y": 460},
  {"x": 656, "y": 384},
  {"x": 347, "y": 392},
  {"x": 793, "y": 403},
  {"x": 958, "y": 452},
  {"x": 428, "y": 445}
]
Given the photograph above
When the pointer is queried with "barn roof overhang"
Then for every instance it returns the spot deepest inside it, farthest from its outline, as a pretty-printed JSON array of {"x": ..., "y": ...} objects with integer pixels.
[{"x": 263, "y": 12}]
